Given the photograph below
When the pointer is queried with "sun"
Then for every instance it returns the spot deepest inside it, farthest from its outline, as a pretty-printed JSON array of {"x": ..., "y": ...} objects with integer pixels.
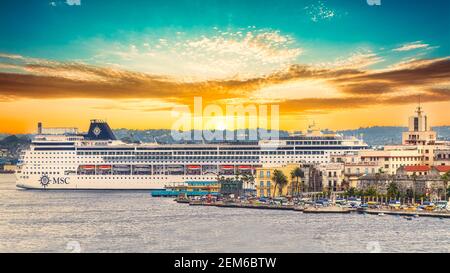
[{"x": 221, "y": 126}]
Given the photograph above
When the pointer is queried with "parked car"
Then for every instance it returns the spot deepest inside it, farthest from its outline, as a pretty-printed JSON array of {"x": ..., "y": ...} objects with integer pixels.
[
  {"x": 442, "y": 205},
  {"x": 373, "y": 204},
  {"x": 341, "y": 201},
  {"x": 428, "y": 205},
  {"x": 322, "y": 202},
  {"x": 279, "y": 201},
  {"x": 353, "y": 202},
  {"x": 394, "y": 204}
]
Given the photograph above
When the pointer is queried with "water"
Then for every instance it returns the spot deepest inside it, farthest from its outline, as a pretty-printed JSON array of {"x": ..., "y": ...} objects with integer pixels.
[{"x": 124, "y": 221}]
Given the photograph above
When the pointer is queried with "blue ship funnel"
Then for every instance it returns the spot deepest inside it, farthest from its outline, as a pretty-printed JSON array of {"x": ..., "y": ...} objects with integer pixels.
[{"x": 100, "y": 130}]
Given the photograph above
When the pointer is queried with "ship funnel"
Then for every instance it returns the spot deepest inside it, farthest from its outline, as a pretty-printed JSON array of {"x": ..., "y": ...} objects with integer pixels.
[{"x": 100, "y": 130}]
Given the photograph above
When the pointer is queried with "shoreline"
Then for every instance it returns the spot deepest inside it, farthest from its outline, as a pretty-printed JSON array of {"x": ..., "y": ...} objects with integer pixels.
[{"x": 326, "y": 210}]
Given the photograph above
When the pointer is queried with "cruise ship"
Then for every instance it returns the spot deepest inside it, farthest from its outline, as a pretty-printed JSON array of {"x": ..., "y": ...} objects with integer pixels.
[{"x": 98, "y": 160}]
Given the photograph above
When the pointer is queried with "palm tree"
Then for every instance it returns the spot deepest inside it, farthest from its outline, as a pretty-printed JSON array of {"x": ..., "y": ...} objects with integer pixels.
[
  {"x": 392, "y": 190},
  {"x": 293, "y": 184},
  {"x": 280, "y": 180},
  {"x": 414, "y": 177},
  {"x": 297, "y": 173},
  {"x": 445, "y": 178},
  {"x": 248, "y": 179},
  {"x": 251, "y": 180}
]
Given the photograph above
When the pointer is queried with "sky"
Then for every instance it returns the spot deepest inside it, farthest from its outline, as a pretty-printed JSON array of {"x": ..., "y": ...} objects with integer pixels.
[{"x": 140, "y": 64}]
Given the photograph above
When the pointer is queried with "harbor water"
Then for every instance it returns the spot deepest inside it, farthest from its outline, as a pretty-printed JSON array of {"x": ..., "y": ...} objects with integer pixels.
[{"x": 133, "y": 221}]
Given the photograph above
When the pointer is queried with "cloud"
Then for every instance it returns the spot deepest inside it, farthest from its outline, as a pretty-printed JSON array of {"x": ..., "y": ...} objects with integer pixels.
[
  {"x": 240, "y": 52},
  {"x": 10, "y": 56},
  {"x": 73, "y": 2},
  {"x": 303, "y": 84},
  {"x": 357, "y": 60},
  {"x": 412, "y": 46}
]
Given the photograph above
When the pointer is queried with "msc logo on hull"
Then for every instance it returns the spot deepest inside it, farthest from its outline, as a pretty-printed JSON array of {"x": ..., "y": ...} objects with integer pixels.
[{"x": 45, "y": 180}]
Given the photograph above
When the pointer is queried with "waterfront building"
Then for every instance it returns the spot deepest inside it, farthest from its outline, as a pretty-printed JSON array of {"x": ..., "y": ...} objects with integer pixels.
[
  {"x": 390, "y": 159},
  {"x": 265, "y": 187},
  {"x": 419, "y": 132},
  {"x": 332, "y": 176},
  {"x": 442, "y": 156},
  {"x": 419, "y": 147},
  {"x": 4, "y": 153},
  {"x": 414, "y": 170},
  {"x": 423, "y": 170},
  {"x": 442, "y": 169},
  {"x": 430, "y": 185}
]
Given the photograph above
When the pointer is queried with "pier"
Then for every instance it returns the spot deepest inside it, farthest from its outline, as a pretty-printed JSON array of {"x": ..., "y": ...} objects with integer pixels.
[
  {"x": 324, "y": 210},
  {"x": 407, "y": 213},
  {"x": 328, "y": 210}
]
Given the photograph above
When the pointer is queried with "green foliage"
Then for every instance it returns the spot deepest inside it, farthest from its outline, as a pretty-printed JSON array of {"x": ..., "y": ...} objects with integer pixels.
[
  {"x": 280, "y": 180},
  {"x": 371, "y": 191},
  {"x": 393, "y": 191},
  {"x": 351, "y": 192}
]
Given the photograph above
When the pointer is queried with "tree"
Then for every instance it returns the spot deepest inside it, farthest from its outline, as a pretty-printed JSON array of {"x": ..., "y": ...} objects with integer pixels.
[
  {"x": 371, "y": 191},
  {"x": 414, "y": 178},
  {"x": 445, "y": 178},
  {"x": 392, "y": 190},
  {"x": 296, "y": 174},
  {"x": 280, "y": 180},
  {"x": 248, "y": 179},
  {"x": 299, "y": 173},
  {"x": 351, "y": 192}
]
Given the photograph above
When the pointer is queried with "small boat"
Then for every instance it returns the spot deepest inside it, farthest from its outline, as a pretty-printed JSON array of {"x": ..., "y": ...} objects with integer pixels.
[
  {"x": 408, "y": 218},
  {"x": 182, "y": 198},
  {"x": 381, "y": 214},
  {"x": 416, "y": 216}
]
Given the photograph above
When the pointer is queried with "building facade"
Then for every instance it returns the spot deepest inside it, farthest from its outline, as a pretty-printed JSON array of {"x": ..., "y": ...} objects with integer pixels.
[{"x": 265, "y": 187}]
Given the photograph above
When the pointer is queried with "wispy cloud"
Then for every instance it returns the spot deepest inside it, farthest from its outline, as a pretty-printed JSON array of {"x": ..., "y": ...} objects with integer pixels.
[
  {"x": 356, "y": 60},
  {"x": 412, "y": 46},
  {"x": 356, "y": 87},
  {"x": 73, "y": 2},
  {"x": 243, "y": 53}
]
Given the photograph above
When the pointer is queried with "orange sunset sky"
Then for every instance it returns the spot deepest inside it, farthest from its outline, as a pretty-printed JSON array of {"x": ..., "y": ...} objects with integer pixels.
[{"x": 340, "y": 65}]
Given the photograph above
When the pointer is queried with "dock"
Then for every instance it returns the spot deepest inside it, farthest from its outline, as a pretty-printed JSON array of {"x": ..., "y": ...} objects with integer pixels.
[
  {"x": 256, "y": 206},
  {"x": 407, "y": 213},
  {"x": 243, "y": 205},
  {"x": 327, "y": 210}
]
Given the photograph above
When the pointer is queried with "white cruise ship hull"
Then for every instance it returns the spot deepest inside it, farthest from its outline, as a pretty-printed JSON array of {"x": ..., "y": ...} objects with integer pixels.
[{"x": 103, "y": 182}]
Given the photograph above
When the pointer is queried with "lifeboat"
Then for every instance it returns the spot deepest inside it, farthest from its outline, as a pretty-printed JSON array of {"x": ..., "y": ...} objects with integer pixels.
[
  {"x": 144, "y": 168},
  {"x": 227, "y": 167},
  {"x": 87, "y": 167},
  {"x": 194, "y": 167},
  {"x": 244, "y": 167},
  {"x": 122, "y": 168},
  {"x": 104, "y": 167}
]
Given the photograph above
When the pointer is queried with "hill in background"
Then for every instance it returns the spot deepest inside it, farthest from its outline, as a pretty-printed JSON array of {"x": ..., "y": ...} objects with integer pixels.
[{"x": 374, "y": 136}]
